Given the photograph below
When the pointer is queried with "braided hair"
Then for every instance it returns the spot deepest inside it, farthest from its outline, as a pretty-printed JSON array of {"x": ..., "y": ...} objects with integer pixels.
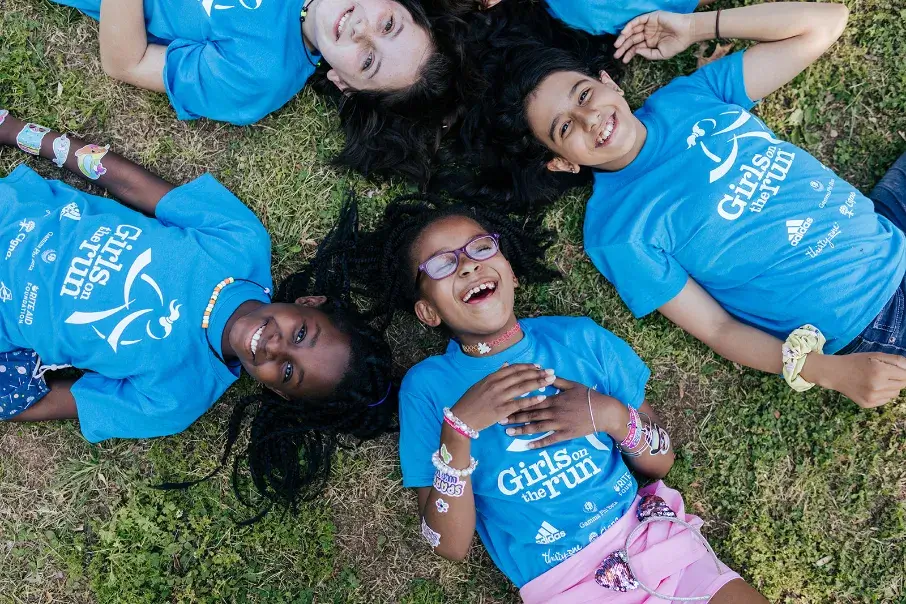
[
  {"x": 384, "y": 266},
  {"x": 291, "y": 442}
]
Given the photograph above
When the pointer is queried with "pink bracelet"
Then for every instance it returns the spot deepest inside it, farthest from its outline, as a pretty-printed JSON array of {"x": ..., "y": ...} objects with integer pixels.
[
  {"x": 453, "y": 425},
  {"x": 634, "y": 437}
]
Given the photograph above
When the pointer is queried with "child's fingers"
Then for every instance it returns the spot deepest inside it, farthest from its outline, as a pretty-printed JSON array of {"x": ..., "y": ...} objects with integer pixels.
[
  {"x": 534, "y": 413},
  {"x": 515, "y": 406},
  {"x": 562, "y": 384},
  {"x": 526, "y": 384},
  {"x": 549, "y": 440},
  {"x": 630, "y": 28},
  {"x": 532, "y": 428}
]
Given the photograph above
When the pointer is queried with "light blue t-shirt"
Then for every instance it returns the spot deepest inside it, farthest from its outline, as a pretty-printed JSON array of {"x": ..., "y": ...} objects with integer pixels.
[
  {"x": 773, "y": 235},
  {"x": 600, "y": 17},
  {"x": 91, "y": 283},
  {"x": 534, "y": 508},
  {"x": 229, "y": 60}
]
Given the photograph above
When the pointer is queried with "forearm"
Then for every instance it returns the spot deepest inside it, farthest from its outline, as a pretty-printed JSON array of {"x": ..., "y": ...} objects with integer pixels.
[
  {"x": 453, "y": 519},
  {"x": 656, "y": 452},
  {"x": 131, "y": 184},
  {"x": 770, "y": 22},
  {"x": 125, "y": 52}
]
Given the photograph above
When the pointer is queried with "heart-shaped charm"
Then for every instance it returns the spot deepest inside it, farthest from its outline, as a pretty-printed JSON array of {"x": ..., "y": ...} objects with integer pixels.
[
  {"x": 614, "y": 573},
  {"x": 652, "y": 506}
]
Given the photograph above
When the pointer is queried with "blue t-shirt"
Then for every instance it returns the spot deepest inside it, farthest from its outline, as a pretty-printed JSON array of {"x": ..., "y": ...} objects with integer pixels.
[
  {"x": 610, "y": 16},
  {"x": 91, "y": 283},
  {"x": 529, "y": 512},
  {"x": 773, "y": 235},
  {"x": 230, "y": 60}
]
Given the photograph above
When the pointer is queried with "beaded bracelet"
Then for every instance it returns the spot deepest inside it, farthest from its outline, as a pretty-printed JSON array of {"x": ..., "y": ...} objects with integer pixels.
[
  {"x": 458, "y": 425},
  {"x": 634, "y": 436},
  {"x": 444, "y": 468}
]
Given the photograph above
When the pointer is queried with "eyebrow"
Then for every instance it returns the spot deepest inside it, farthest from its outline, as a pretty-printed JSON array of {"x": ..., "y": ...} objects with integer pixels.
[
  {"x": 398, "y": 32},
  {"x": 376, "y": 69},
  {"x": 572, "y": 91},
  {"x": 314, "y": 340}
]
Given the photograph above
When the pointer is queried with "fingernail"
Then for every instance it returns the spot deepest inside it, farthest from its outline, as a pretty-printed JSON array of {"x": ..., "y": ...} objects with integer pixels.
[
  {"x": 540, "y": 398},
  {"x": 506, "y": 364},
  {"x": 537, "y": 366},
  {"x": 549, "y": 371},
  {"x": 510, "y": 432},
  {"x": 549, "y": 379}
]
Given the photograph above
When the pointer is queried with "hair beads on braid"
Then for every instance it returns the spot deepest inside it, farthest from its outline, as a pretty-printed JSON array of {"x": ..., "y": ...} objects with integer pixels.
[
  {"x": 291, "y": 442},
  {"x": 384, "y": 262}
]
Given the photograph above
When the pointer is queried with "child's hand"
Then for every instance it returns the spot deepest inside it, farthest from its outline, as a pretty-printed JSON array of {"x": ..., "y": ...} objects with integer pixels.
[
  {"x": 495, "y": 397},
  {"x": 655, "y": 36},
  {"x": 566, "y": 415},
  {"x": 870, "y": 379}
]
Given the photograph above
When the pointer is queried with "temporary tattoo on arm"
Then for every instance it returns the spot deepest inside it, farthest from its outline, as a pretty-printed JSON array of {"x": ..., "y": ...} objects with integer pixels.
[
  {"x": 89, "y": 158},
  {"x": 442, "y": 506},
  {"x": 445, "y": 454},
  {"x": 429, "y": 534},
  {"x": 3, "y": 114},
  {"x": 658, "y": 440}
]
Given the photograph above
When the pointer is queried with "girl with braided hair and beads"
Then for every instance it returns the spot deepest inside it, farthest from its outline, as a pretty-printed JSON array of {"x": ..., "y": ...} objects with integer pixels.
[
  {"x": 163, "y": 298},
  {"x": 529, "y": 430}
]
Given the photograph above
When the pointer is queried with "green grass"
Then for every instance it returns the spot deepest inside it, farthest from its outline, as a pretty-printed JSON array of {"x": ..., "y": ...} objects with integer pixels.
[{"x": 805, "y": 495}]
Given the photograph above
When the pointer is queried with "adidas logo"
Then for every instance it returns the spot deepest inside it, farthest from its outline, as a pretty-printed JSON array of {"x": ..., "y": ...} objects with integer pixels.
[
  {"x": 796, "y": 230},
  {"x": 547, "y": 534}
]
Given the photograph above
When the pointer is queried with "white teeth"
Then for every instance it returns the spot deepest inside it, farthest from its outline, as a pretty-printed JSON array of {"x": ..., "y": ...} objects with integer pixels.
[
  {"x": 342, "y": 24},
  {"x": 608, "y": 130},
  {"x": 468, "y": 295},
  {"x": 255, "y": 338}
]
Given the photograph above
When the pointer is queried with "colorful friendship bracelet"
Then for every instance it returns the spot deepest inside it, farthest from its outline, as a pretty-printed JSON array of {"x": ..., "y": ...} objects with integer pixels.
[
  {"x": 795, "y": 351},
  {"x": 459, "y": 425}
]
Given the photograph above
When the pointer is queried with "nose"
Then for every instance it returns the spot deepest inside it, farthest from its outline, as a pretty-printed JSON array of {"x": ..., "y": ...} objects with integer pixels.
[
  {"x": 275, "y": 347},
  {"x": 591, "y": 119},
  {"x": 468, "y": 266},
  {"x": 359, "y": 28}
]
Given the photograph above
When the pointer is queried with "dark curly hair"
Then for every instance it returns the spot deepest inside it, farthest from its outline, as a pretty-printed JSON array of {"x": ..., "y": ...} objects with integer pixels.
[
  {"x": 412, "y": 133},
  {"x": 291, "y": 442},
  {"x": 383, "y": 268},
  {"x": 503, "y": 164}
]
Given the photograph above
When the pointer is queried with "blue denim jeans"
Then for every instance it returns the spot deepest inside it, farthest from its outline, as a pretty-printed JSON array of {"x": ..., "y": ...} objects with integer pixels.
[{"x": 887, "y": 333}]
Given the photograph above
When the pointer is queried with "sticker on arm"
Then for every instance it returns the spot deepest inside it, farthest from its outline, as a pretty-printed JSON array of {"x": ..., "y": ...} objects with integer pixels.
[
  {"x": 430, "y": 534},
  {"x": 89, "y": 158},
  {"x": 60, "y": 150},
  {"x": 30, "y": 137},
  {"x": 442, "y": 506},
  {"x": 3, "y": 114}
]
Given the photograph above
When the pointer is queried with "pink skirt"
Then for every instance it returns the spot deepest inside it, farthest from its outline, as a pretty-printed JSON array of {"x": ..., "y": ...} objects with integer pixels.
[{"x": 665, "y": 556}]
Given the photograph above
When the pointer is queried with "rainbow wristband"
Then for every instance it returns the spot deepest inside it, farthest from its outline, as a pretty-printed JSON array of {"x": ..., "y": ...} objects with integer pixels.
[{"x": 634, "y": 436}]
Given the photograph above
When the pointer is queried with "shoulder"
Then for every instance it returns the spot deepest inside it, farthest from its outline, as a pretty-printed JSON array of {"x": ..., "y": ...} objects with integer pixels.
[{"x": 417, "y": 381}]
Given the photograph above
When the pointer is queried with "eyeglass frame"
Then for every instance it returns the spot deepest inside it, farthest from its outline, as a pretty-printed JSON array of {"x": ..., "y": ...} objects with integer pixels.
[{"x": 458, "y": 252}]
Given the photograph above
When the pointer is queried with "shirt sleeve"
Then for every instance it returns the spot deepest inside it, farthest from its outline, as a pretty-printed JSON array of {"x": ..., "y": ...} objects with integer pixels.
[
  {"x": 202, "y": 80},
  {"x": 724, "y": 79},
  {"x": 646, "y": 277},
  {"x": 113, "y": 408},
  {"x": 420, "y": 427},
  {"x": 206, "y": 205},
  {"x": 627, "y": 374},
  {"x": 600, "y": 17}
]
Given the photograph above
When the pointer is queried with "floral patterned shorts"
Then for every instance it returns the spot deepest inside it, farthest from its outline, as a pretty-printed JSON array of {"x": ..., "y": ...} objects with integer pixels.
[{"x": 19, "y": 390}]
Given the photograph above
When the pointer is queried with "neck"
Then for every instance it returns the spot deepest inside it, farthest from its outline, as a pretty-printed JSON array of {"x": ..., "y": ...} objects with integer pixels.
[
  {"x": 473, "y": 339},
  {"x": 629, "y": 157},
  {"x": 245, "y": 308}
]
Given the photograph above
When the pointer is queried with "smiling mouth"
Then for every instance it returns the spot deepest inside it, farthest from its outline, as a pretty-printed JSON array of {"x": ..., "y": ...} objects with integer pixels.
[
  {"x": 253, "y": 344},
  {"x": 479, "y": 293},
  {"x": 341, "y": 23},
  {"x": 604, "y": 136}
]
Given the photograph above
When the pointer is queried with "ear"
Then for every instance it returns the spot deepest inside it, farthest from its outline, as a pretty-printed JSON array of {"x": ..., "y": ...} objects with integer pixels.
[
  {"x": 426, "y": 313},
  {"x": 559, "y": 164},
  {"x": 311, "y": 301},
  {"x": 487, "y": 4},
  {"x": 608, "y": 81},
  {"x": 337, "y": 80},
  {"x": 515, "y": 282}
]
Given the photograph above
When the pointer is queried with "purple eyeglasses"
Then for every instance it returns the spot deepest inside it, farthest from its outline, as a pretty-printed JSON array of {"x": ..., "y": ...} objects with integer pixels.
[{"x": 444, "y": 264}]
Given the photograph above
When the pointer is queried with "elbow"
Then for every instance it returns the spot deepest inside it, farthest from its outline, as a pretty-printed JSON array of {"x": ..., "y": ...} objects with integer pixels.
[
  {"x": 453, "y": 554},
  {"x": 114, "y": 68},
  {"x": 841, "y": 13}
]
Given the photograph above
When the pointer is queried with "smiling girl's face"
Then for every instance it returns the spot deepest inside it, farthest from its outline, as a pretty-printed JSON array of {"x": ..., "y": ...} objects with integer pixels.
[
  {"x": 369, "y": 44},
  {"x": 477, "y": 299},
  {"x": 585, "y": 121},
  {"x": 296, "y": 350}
]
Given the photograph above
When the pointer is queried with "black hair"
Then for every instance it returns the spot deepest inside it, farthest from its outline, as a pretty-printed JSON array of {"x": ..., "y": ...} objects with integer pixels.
[
  {"x": 397, "y": 132},
  {"x": 506, "y": 165},
  {"x": 291, "y": 442},
  {"x": 384, "y": 265},
  {"x": 412, "y": 133}
]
